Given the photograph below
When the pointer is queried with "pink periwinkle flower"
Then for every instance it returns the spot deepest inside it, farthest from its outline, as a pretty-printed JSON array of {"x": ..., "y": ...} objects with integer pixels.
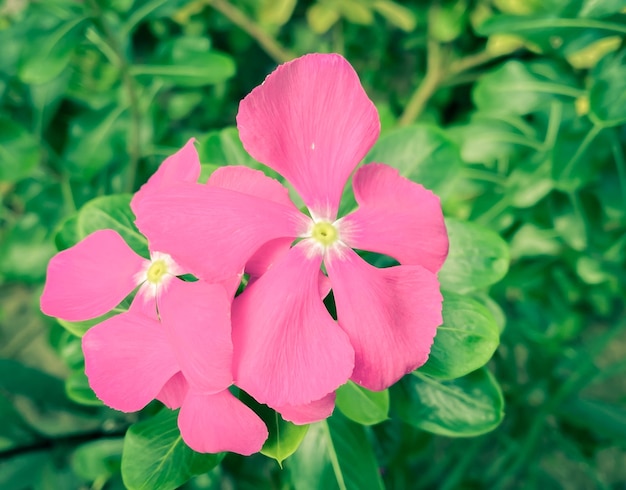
[
  {"x": 312, "y": 122},
  {"x": 173, "y": 344}
]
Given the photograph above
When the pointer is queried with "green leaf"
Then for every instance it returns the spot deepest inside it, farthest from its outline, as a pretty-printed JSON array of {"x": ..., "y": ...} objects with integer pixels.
[
  {"x": 519, "y": 88},
  {"x": 335, "y": 454},
  {"x": 189, "y": 62},
  {"x": 23, "y": 470},
  {"x": 284, "y": 437},
  {"x": 322, "y": 16},
  {"x": 19, "y": 151},
  {"x": 395, "y": 14},
  {"x": 223, "y": 147},
  {"x": 597, "y": 416},
  {"x": 361, "y": 405},
  {"x": 463, "y": 407},
  {"x": 607, "y": 94},
  {"x": 478, "y": 257},
  {"x": 465, "y": 342},
  {"x": 422, "y": 153},
  {"x": 98, "y": 460},
  {"x": 78, "y": 389},
  {"x": 112, "y": 212},
  {"x": 156, "y": 458}
]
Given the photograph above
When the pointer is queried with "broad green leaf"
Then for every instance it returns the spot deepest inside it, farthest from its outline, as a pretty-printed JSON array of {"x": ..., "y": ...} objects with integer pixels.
[
  {"x": 361, "y": 405},
  {"x": 276, "y": 12},
  {"x": 598, "y": 416},
  {"x": 447, "y": 21},
  {"x": 607, "y": 94},
  {"x": 465, "y": 342},
  {"x": 66, "y": 234},
  {"x": 23, "y": 470},
  {"x": 223, "y": 147},
  {"x": 356, "y": 11},
  {"x": 322, "y": 16},
  {"x": 78, "y": 389},
  {"x": 396, "y": 14},
  {"x": 422, "y": 153},
  {"x": 284, "y": 438},
  {"x": 335, "y": 454},
  {"x": 189, "y": 62},
  {"x": 467, "y": 406},
  {"x": 156, "y": 458},
  {"x": 112, "y": 212},
  {"x": 98, "y": 460},
  {"x": 19, "y": 151},
  {"x": 478, "y": 257},
  {"x": 14, "y": 432},
  {"x": 519, "y": 88}
]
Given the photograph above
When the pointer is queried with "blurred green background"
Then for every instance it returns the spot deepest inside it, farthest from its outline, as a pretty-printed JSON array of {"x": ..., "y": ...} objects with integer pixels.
[{"x": 531, "y": 95}]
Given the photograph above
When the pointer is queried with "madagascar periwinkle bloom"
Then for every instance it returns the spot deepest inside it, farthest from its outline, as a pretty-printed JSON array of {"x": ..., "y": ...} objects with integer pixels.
[
  {"x": 173, "y": 344},
  {"x": 312, "y": 122}
]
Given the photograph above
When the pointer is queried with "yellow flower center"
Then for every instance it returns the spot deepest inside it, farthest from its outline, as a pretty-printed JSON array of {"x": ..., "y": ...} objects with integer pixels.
[
  {"x": 156, "y": 271},
  {"x": 325, "y": 233}
]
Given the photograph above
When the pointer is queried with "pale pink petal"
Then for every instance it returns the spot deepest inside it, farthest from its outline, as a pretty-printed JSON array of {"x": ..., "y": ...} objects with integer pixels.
[
  {"x": 173, "y": 393},
  {"x": 251, "y": 182},
  {"x": 312, "y": 122},
  {"x": 220, "y": 422},
  {"x": 231, "y": 285},
  {"x": 197, "y": 317},
  {"x": 182, "y": 166},
  {"x": 266, "y": 256},
  {"x": 391, "y": 316},
  {"x": 396, "y": 217},
  {"x": 128, "y": 360},
  {"x": 90, "y": 278},
  {"x": 144, "y": 304},
  {"x": 288, "y": 349},
  {"x": 212, "y": 232},
  {"x": 307, "y": 414}
]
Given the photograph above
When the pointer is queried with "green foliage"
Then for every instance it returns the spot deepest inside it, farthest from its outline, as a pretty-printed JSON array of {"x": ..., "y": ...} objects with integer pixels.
[{"x": 512, "y": 111}]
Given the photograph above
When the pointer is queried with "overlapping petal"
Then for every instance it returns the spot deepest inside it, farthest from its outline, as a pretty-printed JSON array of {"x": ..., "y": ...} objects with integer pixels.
[
  {"x": 309, "y": 413},
  {"x": 182, "y": 166},
  {"x": 213, "y": 231},
  {"x": 220, "y": 422},
  {"x": 90, "y": 278},
  {"x": 288, "y": 349},
  {"x": 312, "y": 122},
  {"x": 396, "y": 217},
  {"x": 391, "y": 316},
  {"x": 174, "y": 392},
  {"x": 128, "y": 360},
  {"x": 197, "y": 317}
]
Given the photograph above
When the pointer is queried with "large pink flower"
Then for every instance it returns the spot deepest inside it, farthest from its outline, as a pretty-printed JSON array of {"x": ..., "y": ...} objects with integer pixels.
[
  {"x": 312, "y": 122},
  {"x": 173, "y": 344}
]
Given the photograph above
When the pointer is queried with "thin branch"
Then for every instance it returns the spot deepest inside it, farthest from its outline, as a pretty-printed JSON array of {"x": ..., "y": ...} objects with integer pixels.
[{"x": 272, "y": 47}]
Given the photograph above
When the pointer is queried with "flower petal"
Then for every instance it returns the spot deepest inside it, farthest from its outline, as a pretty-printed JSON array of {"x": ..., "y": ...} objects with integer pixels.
[
  {"x": 197, "y": 317},
  {"x": 288, "y": 349},
  {"x": 220, "y": 422},
  {"x": 173, "y": 393},
  {"x": 396, "y": 217},
  {"x": 90, "y": 278},
  {"x": 128, "y": 360},
  {"x": 251, "y": 182},
  {"x": 307, "y": 414},
  {"x": 391, "y": 316},
  {"x": 312, "y": 122},
  {"x": 182, "y": 166},
  {"x": 212, "y": 232}
]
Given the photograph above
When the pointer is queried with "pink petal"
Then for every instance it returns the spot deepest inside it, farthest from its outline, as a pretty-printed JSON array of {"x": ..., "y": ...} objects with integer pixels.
[
  {"x": 212, "y": 232},
  {"x": 144, "y": 304},
  {"x": 251, "y": 182},
  {"x": 312, "y": 412},
  {"x": 396, "y": 217},
  {"x": 90, "y": 278},
  {"x": 173, "y": 393},
  {"x": 288, "y": 349},
  {"x": 391, "y": 316},
  {"x": 182, "y": 166},
  {"x": 220, "y": 422},
  {"x": 128, "y": 360},
  {"x": 312, "y": 122},
  {"x": 197, "y": 316}
]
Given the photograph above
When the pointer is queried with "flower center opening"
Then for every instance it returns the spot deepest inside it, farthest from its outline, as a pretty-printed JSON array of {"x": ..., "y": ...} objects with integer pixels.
[
  {"x": 156, "y": 271},
  {"x": 325, "y": 233}
]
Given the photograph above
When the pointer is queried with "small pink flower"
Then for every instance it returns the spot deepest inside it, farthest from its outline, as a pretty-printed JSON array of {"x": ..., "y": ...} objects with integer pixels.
[
  {"x": 312, "y": 122},
  {"x": 174, "y": 343}
]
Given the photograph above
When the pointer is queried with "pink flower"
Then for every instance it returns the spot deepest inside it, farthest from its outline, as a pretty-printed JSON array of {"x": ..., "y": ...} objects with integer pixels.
[
  {"x": 312, "y": 122},
  {"x": 173, "y": 344}
]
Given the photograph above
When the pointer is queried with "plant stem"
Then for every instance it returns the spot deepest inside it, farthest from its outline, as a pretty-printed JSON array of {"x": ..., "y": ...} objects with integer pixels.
[
  {"x": 133, "y": 142},
  {"x": 272, "y": 47}
]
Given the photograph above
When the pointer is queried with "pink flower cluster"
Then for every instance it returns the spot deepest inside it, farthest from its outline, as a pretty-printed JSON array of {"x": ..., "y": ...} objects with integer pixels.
[{"x": 186, "y": 342}]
